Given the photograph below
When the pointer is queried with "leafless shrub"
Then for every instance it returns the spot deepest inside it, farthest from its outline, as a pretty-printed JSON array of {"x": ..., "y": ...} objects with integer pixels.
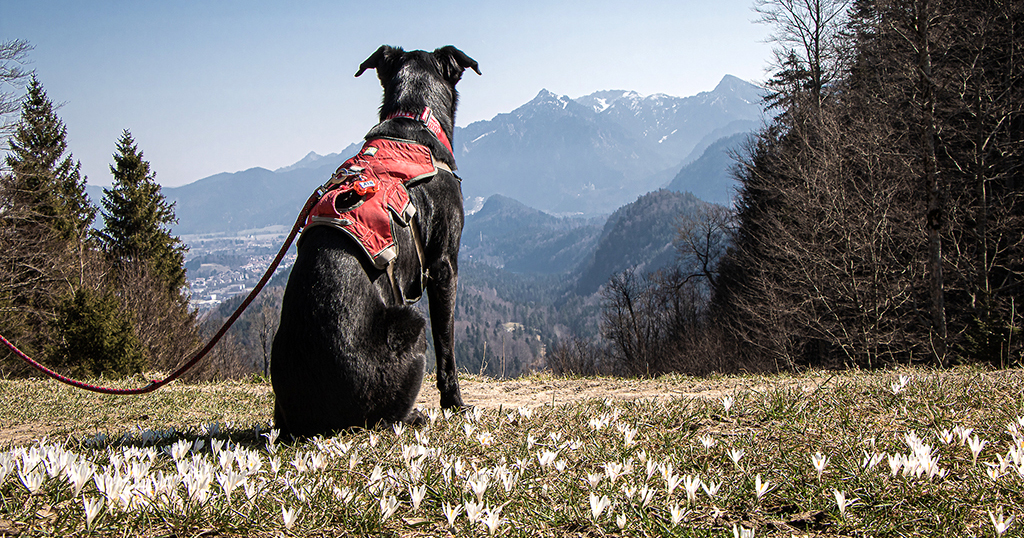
[{"x": 575, "y": 356}]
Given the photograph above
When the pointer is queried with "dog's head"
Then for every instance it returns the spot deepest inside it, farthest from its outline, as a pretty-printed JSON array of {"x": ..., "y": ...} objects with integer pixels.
[{"x": 417, "y": 78}]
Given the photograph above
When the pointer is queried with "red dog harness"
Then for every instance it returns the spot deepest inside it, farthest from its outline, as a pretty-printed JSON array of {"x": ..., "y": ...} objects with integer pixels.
[{"x": 367, "y": 197}]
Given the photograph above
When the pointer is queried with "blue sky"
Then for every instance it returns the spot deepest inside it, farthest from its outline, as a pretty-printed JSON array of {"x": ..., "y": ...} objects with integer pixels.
[{"x": 220, "y": 86}]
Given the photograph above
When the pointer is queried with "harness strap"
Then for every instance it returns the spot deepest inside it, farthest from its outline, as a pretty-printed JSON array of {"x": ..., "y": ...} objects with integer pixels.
[
  {"x": 426, "y": 117},
  {"x": 395, "y": 288},
  {"x": 424, "y": 273},
  {"x": 442, "y": 165}
]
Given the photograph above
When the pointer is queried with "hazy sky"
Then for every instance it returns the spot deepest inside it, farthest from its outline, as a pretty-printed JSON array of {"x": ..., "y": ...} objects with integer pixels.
[{"x": 221, "y": 85}]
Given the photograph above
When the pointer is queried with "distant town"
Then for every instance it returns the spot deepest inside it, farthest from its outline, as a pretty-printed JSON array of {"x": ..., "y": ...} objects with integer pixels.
[{"x": 221, "y": 266}]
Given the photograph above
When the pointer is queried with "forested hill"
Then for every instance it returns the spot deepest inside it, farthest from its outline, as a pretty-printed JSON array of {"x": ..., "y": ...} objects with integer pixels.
[
  {"x": 509, "y": 235},
  {"x": 709, "y": 177},
  {"x": 639, "y": 235}
]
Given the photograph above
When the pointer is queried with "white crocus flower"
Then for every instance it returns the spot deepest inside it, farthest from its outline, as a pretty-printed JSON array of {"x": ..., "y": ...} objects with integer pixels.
[
  {"x": 760, "y": 488},
  {"x": 677, "y": 514},
  {"x": 819, "y": 461},
  {"x": 727, "y": 402},
  {"x": 78, "y": 474},
  {"x": 672, "y": 482},
  {"x": 898, "y": 386},
  {"x": 388, "y": 506},
  {"x": 478, "y": 483},
  {"x": 598, "y": 505},
  {"x": 92, "y": 509},
  {"x": 32, "y": 480},
  {"x": 612, "y": 470},
  {"x": 646, "y": 495},
  {"x": 692, "y": 485},
  {"x": 417, "y": 494},
  {"x": 999, "y": 523},
  {"x": 711, "y": 488},
  {"x": 546, "y": 458},
  {"x": 976, "y": 444},
  {"x": 842, "y": 502},
  {"x": 229, "y": 480},
  {"x": 290, "y": 516},
  {"x": 473, "y": 512},
  {"x": 492, "y": 520},
  {"x": 451, "y": 512}
]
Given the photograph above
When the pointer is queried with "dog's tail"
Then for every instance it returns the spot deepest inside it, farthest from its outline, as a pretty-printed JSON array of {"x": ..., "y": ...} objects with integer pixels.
[{"x": 404, "y": 327}]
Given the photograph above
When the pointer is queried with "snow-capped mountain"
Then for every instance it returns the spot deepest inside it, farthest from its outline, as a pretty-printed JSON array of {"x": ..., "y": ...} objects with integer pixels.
[
  {"x": 589, "y": 155},
  {"x": 592, "y": 154}
]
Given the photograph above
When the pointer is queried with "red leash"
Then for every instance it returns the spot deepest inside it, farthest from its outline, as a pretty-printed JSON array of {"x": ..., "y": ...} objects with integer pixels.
[{"x": 155, "y": 384}]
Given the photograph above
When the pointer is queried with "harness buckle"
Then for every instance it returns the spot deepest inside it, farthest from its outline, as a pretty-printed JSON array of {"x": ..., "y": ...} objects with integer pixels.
[{"x": 344, "y": 175}]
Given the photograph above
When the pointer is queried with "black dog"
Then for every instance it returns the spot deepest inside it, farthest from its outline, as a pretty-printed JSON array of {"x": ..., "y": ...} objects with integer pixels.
[{"x": 349, "y": 351}]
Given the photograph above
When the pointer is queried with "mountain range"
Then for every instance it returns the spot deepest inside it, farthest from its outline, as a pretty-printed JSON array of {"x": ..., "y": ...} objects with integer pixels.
[
  {"x": 593, "y": 154},
  {"x": 585, "y": 156}
]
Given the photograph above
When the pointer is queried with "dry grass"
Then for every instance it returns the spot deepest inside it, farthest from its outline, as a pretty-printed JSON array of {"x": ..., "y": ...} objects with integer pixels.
[{"x": 344, "y": 485}]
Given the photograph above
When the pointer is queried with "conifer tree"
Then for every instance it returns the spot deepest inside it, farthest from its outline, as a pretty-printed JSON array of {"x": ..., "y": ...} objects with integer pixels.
[
  {"x": 94, "y": 337},
  {"x": 45, "y": 217},
  {"x": 137, "y": 219},
  {"x": 148, "y": 261},
  {"x": 43, "y": 179}
]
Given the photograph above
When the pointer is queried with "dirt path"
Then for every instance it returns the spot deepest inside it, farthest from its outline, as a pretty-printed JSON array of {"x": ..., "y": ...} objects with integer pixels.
[{"x": 535, "y": 391}]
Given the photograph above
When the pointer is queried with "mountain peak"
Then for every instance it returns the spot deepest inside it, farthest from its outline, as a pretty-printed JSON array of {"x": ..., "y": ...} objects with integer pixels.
[
  {"x": 547, "y": 96},
  {"x": 545, "y": 100},
  {"x": 311, "y": 160},
  {"x": 304, "y": 162},
  {"x": 735, "y": 85},
  {"x": 602, "y": 100}
]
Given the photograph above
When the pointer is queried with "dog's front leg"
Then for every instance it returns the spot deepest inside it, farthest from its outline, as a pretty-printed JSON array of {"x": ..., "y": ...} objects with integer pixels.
[{"x": 441, "y": 289}]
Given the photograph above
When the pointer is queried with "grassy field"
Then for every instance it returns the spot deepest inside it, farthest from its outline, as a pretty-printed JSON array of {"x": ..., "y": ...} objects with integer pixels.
[{"x": 898, "y": 453}]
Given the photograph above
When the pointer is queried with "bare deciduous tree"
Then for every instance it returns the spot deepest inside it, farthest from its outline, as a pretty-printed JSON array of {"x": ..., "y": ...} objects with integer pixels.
[
  {"x": 807, "y": 37},
  {"x": 13, "y": 76},
  {"x": 702, "y": 239}
]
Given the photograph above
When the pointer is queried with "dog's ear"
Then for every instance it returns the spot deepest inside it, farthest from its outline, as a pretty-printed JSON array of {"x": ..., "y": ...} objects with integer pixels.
[
  {"x": 453, "y": 62},
  {"x": 379, "y": 58}
]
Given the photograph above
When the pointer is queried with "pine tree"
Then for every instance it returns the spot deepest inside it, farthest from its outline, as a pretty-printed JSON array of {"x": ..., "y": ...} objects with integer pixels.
[
  {"x": 148, "y": 262},
  {"x": 137, "y": 219},
  {"x": 45, "y": 217},
  {"x": 94, "y": 338},
  {"x": 43, "y": 179}
]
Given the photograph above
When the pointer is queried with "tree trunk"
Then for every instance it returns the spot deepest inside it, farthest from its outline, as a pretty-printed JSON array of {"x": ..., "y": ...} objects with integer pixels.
[{"x": 936, "y": 210}]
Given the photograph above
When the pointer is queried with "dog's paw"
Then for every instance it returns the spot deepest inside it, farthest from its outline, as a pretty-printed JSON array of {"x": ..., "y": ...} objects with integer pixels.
[
  {"x": 460, "y": 409},
  {"x": 454, "y": 403},
  {"x": 415, "y": 418}
]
